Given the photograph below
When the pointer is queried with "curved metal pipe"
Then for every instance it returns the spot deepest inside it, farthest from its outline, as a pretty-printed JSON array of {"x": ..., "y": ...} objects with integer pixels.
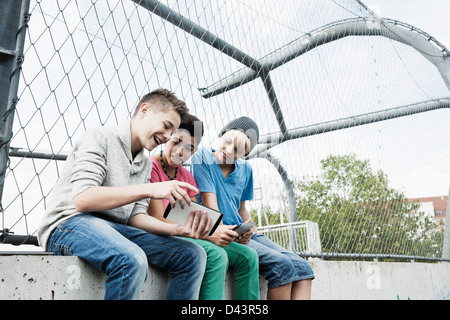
[
  {"x": 426, "y": 45},
  {"x": 292, "y": 217},
  {"x": 276, "y": 138}
]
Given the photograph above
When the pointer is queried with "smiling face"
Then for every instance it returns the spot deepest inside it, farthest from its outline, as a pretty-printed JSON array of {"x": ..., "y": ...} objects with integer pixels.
[
  {"x": 180, "y": 148},
  {"x": 152, "y": 126}
]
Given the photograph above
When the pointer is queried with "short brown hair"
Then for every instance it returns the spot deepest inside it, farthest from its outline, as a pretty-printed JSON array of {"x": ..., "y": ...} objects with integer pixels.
[
  {"x": 193, "y": 125},
  {"x": 163, "y": 99}
]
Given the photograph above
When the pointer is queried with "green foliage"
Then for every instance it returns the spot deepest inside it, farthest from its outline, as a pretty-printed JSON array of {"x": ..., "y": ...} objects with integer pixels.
[
  {"x": 358, "y": 212},
  {"x": 270, "y": 218}
]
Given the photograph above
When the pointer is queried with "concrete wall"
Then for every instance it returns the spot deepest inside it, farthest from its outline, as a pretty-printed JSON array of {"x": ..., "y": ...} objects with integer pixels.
[
  {"x": 381, "y": 280},
  {"x": 49, "y": 277}
]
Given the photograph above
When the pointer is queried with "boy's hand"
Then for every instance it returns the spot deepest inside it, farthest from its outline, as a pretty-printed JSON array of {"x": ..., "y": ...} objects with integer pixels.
[
  {"x": 223, "y": 235},
  {"x": 172, "y": 191},
  {"x": 197, "y": 226},
  {"x": 246, "y": 237}
]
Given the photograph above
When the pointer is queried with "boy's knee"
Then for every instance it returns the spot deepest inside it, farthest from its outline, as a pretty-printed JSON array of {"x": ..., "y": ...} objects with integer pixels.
[
  {"x": 252, "y": 257},
  {"x": 218, "y": 256},
  {"x": 199, "y": 254},
  {"x": 140, "y": 260},
  {"x": 285, "y": 262},
  {"x": 248, "y": 258},
  {"x": 136, "y": 264},
  {"x": 194, "y": 255}
]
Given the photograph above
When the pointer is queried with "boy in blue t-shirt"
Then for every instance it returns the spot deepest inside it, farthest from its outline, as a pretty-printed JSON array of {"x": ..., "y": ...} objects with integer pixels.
[{"x": 225, "y": 181}]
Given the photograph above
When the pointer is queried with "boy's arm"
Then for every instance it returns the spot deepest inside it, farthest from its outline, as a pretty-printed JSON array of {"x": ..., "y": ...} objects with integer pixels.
[
  {"x": 100, "y": 198},
  {"x": 246, "y": 217},
  {"x": 224, "y": 234},
  {"x": 210, "y": 200},
  {"x": 154, "y": 222},
  {"x": 156, "y": 209},
  {"x": 247, "y": 194},
  {"x": 196, "y": 227},
  {"x": 243, "y": 212}
]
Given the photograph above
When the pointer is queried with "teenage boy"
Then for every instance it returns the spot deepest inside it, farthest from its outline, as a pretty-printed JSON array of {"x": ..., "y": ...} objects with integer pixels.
[
  {"x": 225, "y": 181},
  {"x": 167, "y": 165},
  {"x": 104, "y": 184}
]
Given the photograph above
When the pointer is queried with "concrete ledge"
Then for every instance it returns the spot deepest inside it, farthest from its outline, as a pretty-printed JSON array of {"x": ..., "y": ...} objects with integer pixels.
[
  {"x": 47, "y": 277},
  {"x": 360, "y": 280},
  {"x": 61, "y": 278}
]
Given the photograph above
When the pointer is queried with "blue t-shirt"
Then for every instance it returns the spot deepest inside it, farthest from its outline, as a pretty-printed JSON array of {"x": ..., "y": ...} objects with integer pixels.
[{"x": 237, "y": 187}]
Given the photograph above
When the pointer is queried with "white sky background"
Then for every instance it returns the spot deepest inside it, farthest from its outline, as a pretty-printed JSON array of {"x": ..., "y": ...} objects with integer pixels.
[
  {"x": 432, "y": 17},
  {"x": 410, "y": 150}
]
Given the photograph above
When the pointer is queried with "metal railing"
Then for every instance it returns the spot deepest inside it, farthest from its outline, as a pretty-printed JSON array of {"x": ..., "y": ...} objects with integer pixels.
[{"x": 299, "y": 237}]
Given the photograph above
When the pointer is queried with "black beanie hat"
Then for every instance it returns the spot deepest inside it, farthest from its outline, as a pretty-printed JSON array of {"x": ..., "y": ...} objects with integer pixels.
[{"x": 247, "y": 126}]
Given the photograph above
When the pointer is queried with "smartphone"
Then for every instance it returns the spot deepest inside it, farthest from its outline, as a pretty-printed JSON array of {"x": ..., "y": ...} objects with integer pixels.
[{"x": 243, "y": 228}]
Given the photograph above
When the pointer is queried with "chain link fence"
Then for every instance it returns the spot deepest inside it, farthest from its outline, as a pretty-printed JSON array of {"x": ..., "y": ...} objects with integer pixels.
[{"x": 352, "y": 109}]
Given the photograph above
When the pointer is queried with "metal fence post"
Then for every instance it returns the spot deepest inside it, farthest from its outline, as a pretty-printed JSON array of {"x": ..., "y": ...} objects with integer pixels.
[
  {"x": 292, "y": 216},
  {"x": 13, "y": 23},
  {"x": 446, "y": 245}
]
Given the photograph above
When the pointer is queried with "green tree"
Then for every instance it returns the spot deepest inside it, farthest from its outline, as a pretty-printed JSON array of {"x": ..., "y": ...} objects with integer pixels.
[{"x": 358, "y": 212}]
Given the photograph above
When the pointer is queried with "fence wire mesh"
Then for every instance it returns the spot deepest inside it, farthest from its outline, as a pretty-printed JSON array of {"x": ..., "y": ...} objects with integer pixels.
[{"x": 317, "y": 77}]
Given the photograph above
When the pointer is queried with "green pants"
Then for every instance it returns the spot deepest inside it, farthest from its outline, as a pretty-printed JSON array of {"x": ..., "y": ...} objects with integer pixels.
[{"x": 244, "y": 261}]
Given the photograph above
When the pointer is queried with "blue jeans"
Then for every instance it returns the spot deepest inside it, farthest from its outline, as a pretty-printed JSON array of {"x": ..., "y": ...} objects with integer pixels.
[
  {"x": 277, "y": 264},
  {"x": 122, "y": 252}
]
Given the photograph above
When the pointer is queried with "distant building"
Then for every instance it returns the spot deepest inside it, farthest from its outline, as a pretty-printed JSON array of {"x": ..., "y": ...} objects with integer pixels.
[{"x": 434, "y": 207}]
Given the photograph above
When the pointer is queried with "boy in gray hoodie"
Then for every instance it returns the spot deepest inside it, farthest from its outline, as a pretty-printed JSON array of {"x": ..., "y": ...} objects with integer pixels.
[{"x": 104, "y": 183}]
